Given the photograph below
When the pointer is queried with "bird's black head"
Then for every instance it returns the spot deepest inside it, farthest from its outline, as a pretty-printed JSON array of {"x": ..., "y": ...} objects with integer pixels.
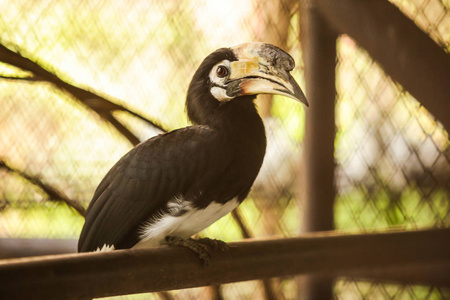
[{"x": 228, "y": 74}]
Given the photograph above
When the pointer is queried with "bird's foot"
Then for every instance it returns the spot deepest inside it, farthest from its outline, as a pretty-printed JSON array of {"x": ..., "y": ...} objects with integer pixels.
[
  {"x": 200, "y": 246},
  {"x": 216, "y": 245}
]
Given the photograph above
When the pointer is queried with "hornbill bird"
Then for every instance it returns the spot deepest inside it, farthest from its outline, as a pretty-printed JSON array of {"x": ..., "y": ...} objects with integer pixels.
[{"x": 174, "y": 185}]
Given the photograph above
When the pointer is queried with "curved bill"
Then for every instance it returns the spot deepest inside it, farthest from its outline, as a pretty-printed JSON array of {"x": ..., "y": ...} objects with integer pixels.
[{"x": 263, "y": 69}]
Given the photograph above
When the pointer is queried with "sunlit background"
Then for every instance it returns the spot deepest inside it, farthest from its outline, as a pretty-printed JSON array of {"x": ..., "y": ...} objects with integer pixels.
[{"x": 393, "y": 157}]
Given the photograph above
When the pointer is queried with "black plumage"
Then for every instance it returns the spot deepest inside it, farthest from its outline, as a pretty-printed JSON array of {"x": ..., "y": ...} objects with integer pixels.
[{"x": 214, "y": 161}]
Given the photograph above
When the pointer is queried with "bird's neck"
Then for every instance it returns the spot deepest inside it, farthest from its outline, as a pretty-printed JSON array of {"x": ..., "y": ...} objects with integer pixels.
[
  {"x": 239, "y": 118},
  {"x": 243, "y": 128}
]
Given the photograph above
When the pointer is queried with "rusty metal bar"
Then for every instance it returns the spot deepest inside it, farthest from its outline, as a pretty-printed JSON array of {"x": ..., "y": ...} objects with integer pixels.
[
  {"x": 87, "y": 275},
  {"x": 406, "y": 53},
  {"x": 319, "y": 55}
]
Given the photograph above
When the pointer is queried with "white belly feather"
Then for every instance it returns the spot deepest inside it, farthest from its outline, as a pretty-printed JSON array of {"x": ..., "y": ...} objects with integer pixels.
[{"x": 184, "y": 226}]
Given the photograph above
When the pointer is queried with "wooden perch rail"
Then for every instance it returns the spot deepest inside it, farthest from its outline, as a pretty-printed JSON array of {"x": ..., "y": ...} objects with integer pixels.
[{"x": 83, "y": 276}]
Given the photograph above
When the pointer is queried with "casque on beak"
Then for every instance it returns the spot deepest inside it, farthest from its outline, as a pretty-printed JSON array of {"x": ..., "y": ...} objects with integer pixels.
[{"x": 263, "y": 69}]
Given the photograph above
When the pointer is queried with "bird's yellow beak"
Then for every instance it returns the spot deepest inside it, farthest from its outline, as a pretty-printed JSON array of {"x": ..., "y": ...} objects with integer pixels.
[{"x": 263, "y": 69}]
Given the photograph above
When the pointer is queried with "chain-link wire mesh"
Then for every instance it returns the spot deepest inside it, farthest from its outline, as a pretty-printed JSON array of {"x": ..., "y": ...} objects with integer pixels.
[{"x": 393, "y": 158}]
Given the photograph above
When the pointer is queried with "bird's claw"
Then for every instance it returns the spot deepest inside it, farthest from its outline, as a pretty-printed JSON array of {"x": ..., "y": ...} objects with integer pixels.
[
  {"x": 201, "y": 246},
  {"x": 216, "y": 245}
]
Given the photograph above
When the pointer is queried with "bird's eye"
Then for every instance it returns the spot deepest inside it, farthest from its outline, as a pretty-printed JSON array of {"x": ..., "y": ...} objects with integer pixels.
[{"x": 222, "y": 71}]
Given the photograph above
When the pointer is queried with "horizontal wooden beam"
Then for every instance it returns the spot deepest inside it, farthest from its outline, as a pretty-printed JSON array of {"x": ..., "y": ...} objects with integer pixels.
[
  {"x": 422, "y": 273},
  {"x": 425, "y": 274},
  {"x": 88, "y": 275},
  {"x": 15, "y": 247}
]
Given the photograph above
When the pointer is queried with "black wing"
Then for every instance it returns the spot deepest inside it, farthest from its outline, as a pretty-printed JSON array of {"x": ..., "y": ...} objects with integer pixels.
[{"x": 146, "y": 178}]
